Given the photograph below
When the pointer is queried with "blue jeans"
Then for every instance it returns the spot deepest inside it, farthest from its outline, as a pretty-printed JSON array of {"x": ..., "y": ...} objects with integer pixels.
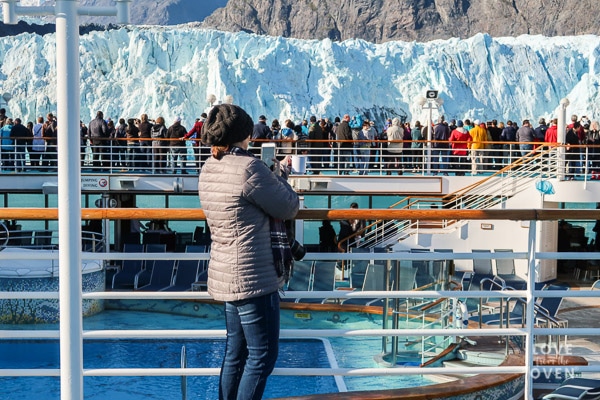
[
  {"x": 252, "y": 347},
  {"x": 525, "y": 149},
  {"x": 345, "y": 160},
  {"x": 439, "y": 159},
  {"x": 363, "y": 160}
]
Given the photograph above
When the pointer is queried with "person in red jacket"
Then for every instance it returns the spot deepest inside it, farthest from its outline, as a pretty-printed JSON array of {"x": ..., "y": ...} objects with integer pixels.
[
  {"x": 460, "y": 139},
  {"x": 194, "y": 134},
  {"x": 552, "y": 132}
]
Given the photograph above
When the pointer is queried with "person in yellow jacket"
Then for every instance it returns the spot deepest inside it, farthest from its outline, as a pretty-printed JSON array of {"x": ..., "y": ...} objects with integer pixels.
[{"x": 478, "y": 146}]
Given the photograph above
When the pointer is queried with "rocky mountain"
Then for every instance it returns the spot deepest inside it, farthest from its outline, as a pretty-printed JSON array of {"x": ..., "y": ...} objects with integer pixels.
[
  {"x": 375, "y": 21},
  {"x": 167, "y": 12},
  {"x": 420, "y": 20}
]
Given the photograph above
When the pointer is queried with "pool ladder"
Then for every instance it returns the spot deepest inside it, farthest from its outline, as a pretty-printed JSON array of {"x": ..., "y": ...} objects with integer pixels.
[{"x": 183, "y": 377}]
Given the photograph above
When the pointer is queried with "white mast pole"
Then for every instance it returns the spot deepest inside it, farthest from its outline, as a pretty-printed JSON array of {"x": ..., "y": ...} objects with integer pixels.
[
  {"x": 69, "y": 200},
  {"x": 69, "y": 177}
]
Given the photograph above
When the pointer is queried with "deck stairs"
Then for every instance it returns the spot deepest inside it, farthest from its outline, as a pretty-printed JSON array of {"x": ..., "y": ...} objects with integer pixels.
[{"x": 489, "y": 192}]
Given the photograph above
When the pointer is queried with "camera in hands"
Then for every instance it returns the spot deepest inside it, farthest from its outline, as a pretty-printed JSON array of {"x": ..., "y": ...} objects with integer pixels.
[{"x": 298, "y": 251}]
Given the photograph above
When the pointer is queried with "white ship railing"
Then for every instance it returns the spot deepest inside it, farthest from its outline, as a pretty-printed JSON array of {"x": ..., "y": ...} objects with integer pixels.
[
  {"x": 529, "y": 332},
  {"x": 172, "y": 156}
]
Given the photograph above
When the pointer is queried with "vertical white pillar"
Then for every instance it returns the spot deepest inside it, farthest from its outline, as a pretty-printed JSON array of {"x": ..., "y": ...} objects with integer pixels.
[
  {"x": 529, "y": 339},
  {"x": 69, "y": 182},
  {"x": 8, "y": 11},
  {"x": 561, "y": 129},
  {"x": 69, "y": 200},
  {"x": 123, "y": 15},
  {"x": 429, "y": 136}
]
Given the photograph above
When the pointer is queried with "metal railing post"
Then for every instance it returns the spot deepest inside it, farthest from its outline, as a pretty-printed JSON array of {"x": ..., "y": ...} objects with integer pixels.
[
  {"x": 530, "y": 316},
  {"x": 387, "y": 267}
]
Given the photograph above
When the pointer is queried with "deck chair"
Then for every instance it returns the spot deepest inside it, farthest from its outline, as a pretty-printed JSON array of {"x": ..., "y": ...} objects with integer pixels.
[
  {"x": 185, "y": 275},
  {"x": 300, "y": 279},
  {"x": 407, "y": 278},
  {"x": 358, "y": 268},
  {"x": 323, "y": 278},
  {"x": 383, "y": 264},
  {"x": 161, "y": 276},
  {"x": 441, "y": 267},
  {"x": 508, "y": 316},
  {"x": 423, "y": 268},
  {"x": 374, "y": 278},
  {"x": 324, "y": 275},
  {"x": 374, "y": 281},
  {"x": 125, "y": 277},
  {"x": 42, "y": 239},
  {"x": 201, "y": 283},
  {"x": 91, "y": 241},
  {"x": 573, "y": 393},
  {"x": 20, "y": 238},
  {"x": 547, "y": 310},
  {"x": 195, "y": 248},
  {"x": 481, "y": 268},
  {"x": 143, "y": 277},
  {"x": 505, "y": 268},
  {"x": 576, "y": 389},
  {"x": 487, "y": 305},
  {"x": 155, "y": 248}
]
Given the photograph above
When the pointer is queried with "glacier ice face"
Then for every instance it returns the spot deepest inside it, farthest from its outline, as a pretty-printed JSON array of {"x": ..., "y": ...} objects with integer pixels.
[{"x": 171, "y": 71}]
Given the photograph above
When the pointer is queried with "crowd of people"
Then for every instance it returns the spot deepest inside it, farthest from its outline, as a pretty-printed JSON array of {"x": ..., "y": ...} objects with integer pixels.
[
  {"x": 139, "y": 144},
  {"x": 457, "y": 146},
  {"x": 349, "y": 145}
]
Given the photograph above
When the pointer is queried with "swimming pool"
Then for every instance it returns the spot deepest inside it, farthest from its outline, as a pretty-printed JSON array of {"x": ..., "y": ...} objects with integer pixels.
[
  {"x": 152, "y": 354},
  {"x": 201, "y": 353}
]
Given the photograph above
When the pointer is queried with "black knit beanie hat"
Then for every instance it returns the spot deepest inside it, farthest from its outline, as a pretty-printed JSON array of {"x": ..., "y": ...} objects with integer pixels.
[{"x": 226, "y": 124}]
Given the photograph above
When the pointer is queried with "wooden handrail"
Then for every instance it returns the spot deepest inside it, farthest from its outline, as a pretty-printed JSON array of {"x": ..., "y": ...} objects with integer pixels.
[{"x": 184, "y": 214}]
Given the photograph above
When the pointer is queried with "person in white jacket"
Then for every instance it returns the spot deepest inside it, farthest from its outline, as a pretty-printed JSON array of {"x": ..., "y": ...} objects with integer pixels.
[{"x": 395, "y": 134}]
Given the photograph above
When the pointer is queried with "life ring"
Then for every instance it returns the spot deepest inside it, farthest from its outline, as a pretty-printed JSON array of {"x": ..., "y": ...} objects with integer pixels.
[
  {"x": 335, "y": 318},
  {"x": 461, "y": 315}
]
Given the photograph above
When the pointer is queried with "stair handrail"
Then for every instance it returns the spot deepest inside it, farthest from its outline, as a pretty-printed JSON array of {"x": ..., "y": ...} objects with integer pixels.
[{"x": 524, "y": 167}]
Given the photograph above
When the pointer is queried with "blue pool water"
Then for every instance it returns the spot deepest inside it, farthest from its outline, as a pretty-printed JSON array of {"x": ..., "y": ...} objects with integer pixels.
[
  {"x": 201, "y": 353},
  {"x": 152, "y": 354}
]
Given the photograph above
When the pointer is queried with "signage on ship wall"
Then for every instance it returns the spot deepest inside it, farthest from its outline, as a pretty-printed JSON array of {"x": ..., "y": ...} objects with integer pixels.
[{"x": 94, "y": 182}]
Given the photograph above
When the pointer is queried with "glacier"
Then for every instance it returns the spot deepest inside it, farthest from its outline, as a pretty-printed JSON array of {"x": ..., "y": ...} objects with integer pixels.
[{"x": 170, "y": 71}]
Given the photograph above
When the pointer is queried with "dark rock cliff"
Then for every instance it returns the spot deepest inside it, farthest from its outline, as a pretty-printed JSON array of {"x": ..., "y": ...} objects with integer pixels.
[
  {"x": 421, "y": 20},
  {"x": 376, "y": 21}
]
